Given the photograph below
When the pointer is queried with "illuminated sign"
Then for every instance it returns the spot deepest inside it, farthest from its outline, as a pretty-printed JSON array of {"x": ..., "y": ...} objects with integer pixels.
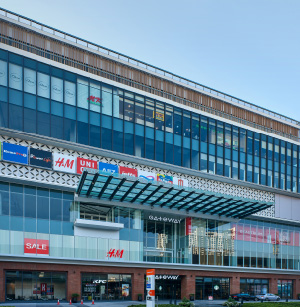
[
  {"x": 163, "y": 219},
  {"x": 33, "y": 246},
  {"x": 40, "y": 158},
  {"x": 85, "y": 163},
  {"x": 64, "y": 163},
  {"x": 100, "y": 281}
]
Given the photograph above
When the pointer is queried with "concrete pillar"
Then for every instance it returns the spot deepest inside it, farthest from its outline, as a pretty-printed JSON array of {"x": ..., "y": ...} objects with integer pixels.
[
  {"x": 235, "y": 286},
  {"x": 74, "y": 282},
  {"x": 188, "y": 285},
  {"x": 2, "y": 285},
  {"x": 138, "y": 284},
  {"x": 273, "y": 287}
]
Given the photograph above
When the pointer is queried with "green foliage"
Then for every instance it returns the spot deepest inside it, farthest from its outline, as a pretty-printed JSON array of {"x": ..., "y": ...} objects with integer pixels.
[
  {"x": 159, "y": 305},
  {"x": 75, "y": 294},
  {"x": 231, "y": 303},
  {"x": 186, "y": 303}
]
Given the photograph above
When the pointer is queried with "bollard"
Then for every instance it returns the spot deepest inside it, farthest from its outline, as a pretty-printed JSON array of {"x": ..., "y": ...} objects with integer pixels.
[
  {"x": 242, "y": 302},
  {"x": 261, "y": 300}
]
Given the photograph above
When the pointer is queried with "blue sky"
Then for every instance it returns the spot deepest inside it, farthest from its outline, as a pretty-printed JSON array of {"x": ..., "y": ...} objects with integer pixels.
[{"x": 246, "y": 48}]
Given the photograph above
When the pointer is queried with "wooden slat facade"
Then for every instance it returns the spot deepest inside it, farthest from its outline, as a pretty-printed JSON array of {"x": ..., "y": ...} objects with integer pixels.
[{"x": 82, "y": 59}]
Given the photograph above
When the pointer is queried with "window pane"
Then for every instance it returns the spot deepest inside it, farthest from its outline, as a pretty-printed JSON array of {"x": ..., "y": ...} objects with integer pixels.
[
  {"x": 57, "y": 89},
  {"x": 43, "y": 88},
  {"x": 29, "y": 81},
  {"x": 106, "y": 100},
  {"x": 95, "y": 97},
  {"x": 15, "y": 77},
  {"x": 3, "y": 73},
  {"x": 70, "y": 93}
]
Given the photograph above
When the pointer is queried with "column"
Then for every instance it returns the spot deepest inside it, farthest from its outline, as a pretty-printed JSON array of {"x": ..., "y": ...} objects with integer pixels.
[
  {"x": 138, "y": 284},
  {"x": 273, "y": 287},
  {"x": 235, "y": 285},
  {"x": 188, "y": 285},
  {"x": 74, "y": 282},
  {"x": 2, "y": 285}
]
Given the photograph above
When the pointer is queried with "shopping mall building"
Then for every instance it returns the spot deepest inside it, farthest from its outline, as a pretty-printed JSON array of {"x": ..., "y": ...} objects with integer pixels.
[{"x": 111, "y": 166}]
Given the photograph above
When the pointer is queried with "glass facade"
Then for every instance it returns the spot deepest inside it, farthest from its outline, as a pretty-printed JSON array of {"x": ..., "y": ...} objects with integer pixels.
[
  {"x": 35, "y": 285},
  {"x": 37, "y": 98},
  {"x": 106, "y": 286},
  {"x": 254, "y": 286},
  {"x": 218, "y": 288},
  {"x": 285, "y": 288}
]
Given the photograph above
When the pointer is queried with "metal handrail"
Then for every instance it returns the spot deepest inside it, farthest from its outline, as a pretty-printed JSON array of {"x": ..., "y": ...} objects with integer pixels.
[
  {"x": 82, "y": 42},
  {"x": 157, "y": 92}
]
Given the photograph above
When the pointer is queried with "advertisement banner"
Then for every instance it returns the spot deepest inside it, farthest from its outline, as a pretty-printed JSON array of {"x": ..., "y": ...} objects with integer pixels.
[
  {"x": 148, "y": 176},
  {"x": 43, "y": 287},
  {"x": 128, "y": 171},
  {"x": 64, "y": 163},
  {"x": 165, "y": 178},
  {"x": 108, "y": 168},
  {"x": 85, "y": 163},
  {"x": 125, "y": 290},
  {"x": 33, "y": 246},
  {"x": 180, "y": 182},
  {"x": 40, "y": 158},
  {"x": 188, "y": 226},
  {"x": 15, "y": 153},
  {"x": 150, "y": 282}
]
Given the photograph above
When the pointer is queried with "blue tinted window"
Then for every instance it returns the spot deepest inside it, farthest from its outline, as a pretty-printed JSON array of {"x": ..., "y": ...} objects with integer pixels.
[{"x": 57, "y": 108}]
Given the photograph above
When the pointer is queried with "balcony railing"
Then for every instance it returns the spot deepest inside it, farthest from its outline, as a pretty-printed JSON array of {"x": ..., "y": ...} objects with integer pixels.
[{"x": 84, "y": 43}]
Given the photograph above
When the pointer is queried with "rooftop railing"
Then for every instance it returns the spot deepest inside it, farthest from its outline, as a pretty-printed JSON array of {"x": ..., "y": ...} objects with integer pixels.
[{"x": 149, "y": 67}]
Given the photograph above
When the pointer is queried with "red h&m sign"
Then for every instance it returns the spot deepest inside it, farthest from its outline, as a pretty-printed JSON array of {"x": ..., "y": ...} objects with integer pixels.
[
  {"x": 33, "y": 246},
  {"x": 115, "y": 253},
  {"x": 85, "y": 163},
  {"x": 128, "y": 171}
]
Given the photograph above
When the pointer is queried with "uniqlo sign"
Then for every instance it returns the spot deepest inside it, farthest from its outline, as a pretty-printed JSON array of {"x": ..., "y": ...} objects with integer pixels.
[
  {"x": 64, "y": 163},
  {"x": 85, "y": 163},
  {"x": 33, "y": 246}
]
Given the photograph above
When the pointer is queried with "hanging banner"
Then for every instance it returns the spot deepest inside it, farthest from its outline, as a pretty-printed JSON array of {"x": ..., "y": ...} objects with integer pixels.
[
  {"x": 85, "y": 163},
  {"x": 64, "y": 163},
  {"x": 108, "y": 168},
  {"x": 40, "y": 158},
  {"x": 15, "y": 153}
]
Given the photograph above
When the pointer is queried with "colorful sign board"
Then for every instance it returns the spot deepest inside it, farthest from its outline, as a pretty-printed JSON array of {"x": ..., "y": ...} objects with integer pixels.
[
  {"x": 15, "y": 153},
  {"x": 148, "y": 176},
  {"x": 108, "y": 168},
  {"x": 33, "y": 246},
  {"x": 188, "y": 226},
  {"x": 132, "y": 172},
  {"x": 40, "y": 158},
  {"x": 85, "y": 163},
  {"x": 64, "y": 163},
  {"x": 150, "y": 282},
  {"x": 180, "y": 182},
  {"x": 165, "y": 178}
]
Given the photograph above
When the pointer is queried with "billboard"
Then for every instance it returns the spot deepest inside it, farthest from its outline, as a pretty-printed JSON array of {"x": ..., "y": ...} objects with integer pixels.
[
  {"x": 85, "y": 163},
  {"x": 146, "y": 175},
  {"x": 40, "y": 158},
  {"x": 164, "y": 178},
  {"x": 108, "y": 168},
  {"x": 15, "y": 153},
  {"x": 180, "y": 182},
  {"x": 64, "y": 163}
]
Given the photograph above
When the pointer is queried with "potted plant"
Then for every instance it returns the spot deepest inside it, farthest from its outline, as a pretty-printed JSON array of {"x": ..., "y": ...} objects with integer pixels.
[
  {"x": 298, "y": 296},
  {"x": 140, "y": 297},
  {"x": 192, "y": 297},
  {"x": 75, "y": 297}
]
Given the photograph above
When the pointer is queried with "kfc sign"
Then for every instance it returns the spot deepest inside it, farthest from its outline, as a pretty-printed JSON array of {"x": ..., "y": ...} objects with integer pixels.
[
  {"x": 33, "y": 246},
  {"x": 128, "y": 171},
  {"x": 64, "y": 163},
  {"x": 85, "y": 163}
]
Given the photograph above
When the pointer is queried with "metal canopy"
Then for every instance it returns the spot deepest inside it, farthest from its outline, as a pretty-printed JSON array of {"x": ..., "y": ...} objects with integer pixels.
[{"x": 119, "y": 188}]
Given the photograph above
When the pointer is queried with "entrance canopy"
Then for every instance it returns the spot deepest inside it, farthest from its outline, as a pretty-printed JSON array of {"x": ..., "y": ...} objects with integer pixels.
[{"x": 99, "y": 185}]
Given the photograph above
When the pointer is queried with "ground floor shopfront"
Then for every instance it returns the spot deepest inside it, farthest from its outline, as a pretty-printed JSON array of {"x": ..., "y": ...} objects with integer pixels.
[{"x": 44, "y": 281}]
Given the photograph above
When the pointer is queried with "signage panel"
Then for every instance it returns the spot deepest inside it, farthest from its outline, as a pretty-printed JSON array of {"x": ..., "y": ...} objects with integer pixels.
[
  {"x": 33, "y": 246},
  {"x": 181, "y": 182},
  {"x": 108, "y": 168},
  {"x": 128, "y": 171},
  {"x": 165, "y": 178},
  {"x": 188, "y": 226},
  {"x": 146, "y": 175},
  {"x": 64, "y": 163},
  {"x": 15, "y": 153},
  {"x": 40, "y": 158},
  {"x": 85, "y": 163}
]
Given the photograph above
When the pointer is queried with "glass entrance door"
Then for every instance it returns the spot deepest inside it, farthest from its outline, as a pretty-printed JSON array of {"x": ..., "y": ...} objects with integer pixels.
[{"x": 218, "y": 288}]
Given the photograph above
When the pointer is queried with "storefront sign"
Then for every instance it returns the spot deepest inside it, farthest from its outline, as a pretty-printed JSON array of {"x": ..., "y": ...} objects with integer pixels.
[
  {"x": 167, "y": 277},
  {"x": 64, "y": 163},
  {"x": 180, "y": 182},
  {"x": 116, "y": 253},
  {"x": 125, "y": 290},
  {"x": 216, "y": 287},
  {"x": 33, "y": 246},
  {"x": 15, "y": 153},
  {"x": 100, "y": 281},
  {"x": 85, "y": 163},
  {"x": 165, "y": 219},
  {"x": 108, "y": 168},
  {"x": 165, "y": 178},
  {"x": 40, "y": 158},
  {"x": 128, "y": 171},
  {"x": 43, "y": 287},
  {"x": 148, "y": 176},
  {"x": 94, "y": 100}
]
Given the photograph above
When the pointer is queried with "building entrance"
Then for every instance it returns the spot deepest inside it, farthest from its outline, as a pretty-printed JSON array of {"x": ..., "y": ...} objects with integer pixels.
[{"x": 218, "y": 288}]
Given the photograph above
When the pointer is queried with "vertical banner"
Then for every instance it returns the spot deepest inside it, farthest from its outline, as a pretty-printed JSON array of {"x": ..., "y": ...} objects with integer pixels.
[
  {"x": 150, "y": 287},
  {"x": 188, "y": 226}
]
